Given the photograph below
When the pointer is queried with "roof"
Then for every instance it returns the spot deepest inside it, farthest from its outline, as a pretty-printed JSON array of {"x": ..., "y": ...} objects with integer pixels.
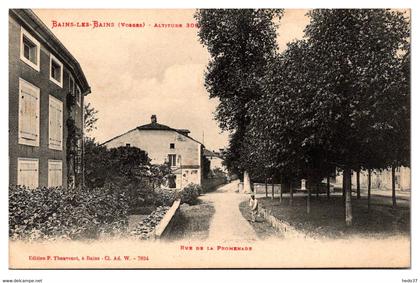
[
  {"x": 154, "y": 127},
  {"x": 37, "y": 28},
  {"x": 209, "y": 153}
]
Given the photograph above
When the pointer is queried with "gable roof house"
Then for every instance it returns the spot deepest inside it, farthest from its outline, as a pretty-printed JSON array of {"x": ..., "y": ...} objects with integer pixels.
[{"x": 165, "y": 144}]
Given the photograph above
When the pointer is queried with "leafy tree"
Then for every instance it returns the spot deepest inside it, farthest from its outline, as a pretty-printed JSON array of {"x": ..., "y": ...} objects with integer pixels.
[
  {"x": 240, "y": 43},
  {"x": 90, "y": 118},
  {"x": 127, "y": 169},
  {"x": 96, "y": 164},
  {"x": 281, "y": 135},
  {"x": 206, "y": 166},
  {"x": 356, "y": 53},
  {"x": 337, "y": 98}
]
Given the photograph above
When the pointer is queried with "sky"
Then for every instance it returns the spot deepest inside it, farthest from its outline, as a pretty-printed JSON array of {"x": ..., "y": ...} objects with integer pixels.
[{"x": 137, "y": 72}]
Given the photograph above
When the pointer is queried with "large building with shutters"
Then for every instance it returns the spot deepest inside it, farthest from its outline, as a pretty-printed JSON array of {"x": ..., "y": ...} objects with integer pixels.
[{"x": 46, "y": 93}]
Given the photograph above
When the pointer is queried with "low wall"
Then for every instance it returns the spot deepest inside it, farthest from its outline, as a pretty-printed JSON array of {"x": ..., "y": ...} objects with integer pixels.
[
  {"x": 212, "y": 183},
  {"x": 259, "y": 188},
  {"x": 166, "y": 224},
  {"x": 280, "y": 225}
]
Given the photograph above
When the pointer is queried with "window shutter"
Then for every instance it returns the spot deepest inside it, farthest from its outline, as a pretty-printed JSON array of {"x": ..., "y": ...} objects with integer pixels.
[
  {"x": 55, "y": 173},
  {"x": 55, "y": 123},
  {"x": 28, "y": 114},
  {"x": 28, "y": 172}
]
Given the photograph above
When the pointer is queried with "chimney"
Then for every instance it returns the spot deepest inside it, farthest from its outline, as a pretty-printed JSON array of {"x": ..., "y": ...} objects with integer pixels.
[{"x": 153, "y": 119}]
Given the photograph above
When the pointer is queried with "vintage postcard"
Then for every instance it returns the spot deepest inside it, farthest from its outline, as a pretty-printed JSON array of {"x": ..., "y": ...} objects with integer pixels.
[{"x": 209, "y": 138}]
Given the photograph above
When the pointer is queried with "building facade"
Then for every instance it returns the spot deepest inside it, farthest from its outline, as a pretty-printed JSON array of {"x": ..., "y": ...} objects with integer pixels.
[
  {"x": 216, "y": 161},
  {"x": 46, "y": 95},
  {"x": 165, "y": 144},
  {"x": 380, "y": 180}
]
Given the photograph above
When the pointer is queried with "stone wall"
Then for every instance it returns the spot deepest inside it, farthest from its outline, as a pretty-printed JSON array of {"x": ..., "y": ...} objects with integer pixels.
[{"x": 165, "y": 226}]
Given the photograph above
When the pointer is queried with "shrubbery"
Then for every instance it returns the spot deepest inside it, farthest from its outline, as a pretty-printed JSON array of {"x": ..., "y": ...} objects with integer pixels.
[
  {"x": 190, "y": 194},
  {"x": 165, "y": 197},
  {"x": 127, "y": 168},
  {"x": 46, "y": 213}
]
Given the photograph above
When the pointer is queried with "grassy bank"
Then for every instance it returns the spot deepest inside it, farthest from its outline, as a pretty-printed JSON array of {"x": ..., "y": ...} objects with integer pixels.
[
  {"x": 326, "y": 218},
  {"x": 193, "y": 222}
]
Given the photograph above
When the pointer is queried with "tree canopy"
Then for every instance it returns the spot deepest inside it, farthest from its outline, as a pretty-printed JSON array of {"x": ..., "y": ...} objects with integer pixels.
[
  {"x": 337, "y": 98},
  {"x": 241, "y": 43}
]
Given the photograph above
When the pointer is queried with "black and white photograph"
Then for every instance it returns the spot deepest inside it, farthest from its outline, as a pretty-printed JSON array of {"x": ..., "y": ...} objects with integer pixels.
[{"x": 234, "y": 138}]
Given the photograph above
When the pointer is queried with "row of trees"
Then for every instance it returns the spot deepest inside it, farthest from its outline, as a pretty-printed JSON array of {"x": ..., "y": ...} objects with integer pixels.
[{"x": 338, "y": 98}]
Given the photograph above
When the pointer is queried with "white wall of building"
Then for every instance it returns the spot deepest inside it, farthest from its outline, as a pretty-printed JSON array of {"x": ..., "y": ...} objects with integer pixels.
[
  {"x": 381, "y": 180},
  {"x": 157, "y": 145}
]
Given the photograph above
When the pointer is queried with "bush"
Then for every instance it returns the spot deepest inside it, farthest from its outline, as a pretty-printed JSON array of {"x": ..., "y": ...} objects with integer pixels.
[
  {"x": 126, "y": 168},
  {"x": 46, "y": 213},
  {"x": 190, "y": 194},
  {"x": 165, "y": 197}
]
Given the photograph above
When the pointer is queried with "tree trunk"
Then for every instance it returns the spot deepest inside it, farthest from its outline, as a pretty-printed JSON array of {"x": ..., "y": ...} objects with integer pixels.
[
  {"x": 308, "y": 199},
  {"x": 317, "y": 190},
  {"x": 247, "y": 183},
  {"x": 266, "y": 188},
  {"x": 344, "y": 189},
  {"x": 272, "y": 189},
  {"x": 281, "y": 192},
  {"x": 291, "y": 193},
  {"x": 347, "y": 186},
  {"x": 369, "y": 186},
  {"x": 328, "y": 187},
  {"x": 358, "y": 183},
  {"x": 394, "y": 197}
]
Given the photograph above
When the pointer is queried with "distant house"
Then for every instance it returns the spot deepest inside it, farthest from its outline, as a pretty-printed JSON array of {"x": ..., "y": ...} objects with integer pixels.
[
  {"x": 165, "y": 144},
  {"x": 42, "y": 76},
  {"x": 381, "y": 180},
  {"x": 216, "y": 161}
]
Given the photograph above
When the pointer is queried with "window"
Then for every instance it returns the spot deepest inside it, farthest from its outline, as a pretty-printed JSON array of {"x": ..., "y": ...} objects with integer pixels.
[
  {"x": 56, "y": 71},
  {"x": 28, "y": 114},
  {"x": 171, "y": 145},
  {"x": 29, "y": 49},
  {"x": 27, "y": 172},
  {"x": 172, "y": 159},
  {"x": 78, "y": 96},
  {"x": 55, "y": 173},
  {"x": 55, "y": 123}
]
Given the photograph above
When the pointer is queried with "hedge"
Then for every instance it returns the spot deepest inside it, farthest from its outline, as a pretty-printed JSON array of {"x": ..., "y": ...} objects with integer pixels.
[{"x": 50, "y": 213}]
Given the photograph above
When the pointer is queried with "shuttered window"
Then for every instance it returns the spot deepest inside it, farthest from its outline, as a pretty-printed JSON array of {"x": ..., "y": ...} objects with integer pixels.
[
  {"x": 28, "y": 172},
  {"x": 28, "y": 114},
  {"x": 55, "y": 118},
  {"x": 55, "y": 173}
]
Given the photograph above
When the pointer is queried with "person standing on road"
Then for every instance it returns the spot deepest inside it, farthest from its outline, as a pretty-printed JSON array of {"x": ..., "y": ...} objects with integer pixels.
[{"x": 253, "y": 203}]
